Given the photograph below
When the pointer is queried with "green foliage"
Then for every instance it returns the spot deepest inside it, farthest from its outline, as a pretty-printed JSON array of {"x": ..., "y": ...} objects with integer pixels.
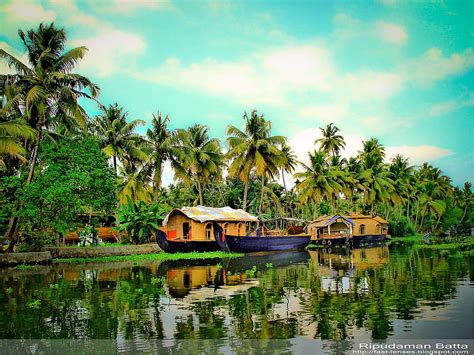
[
  {"x": 399, "y": 226},
  {"x": 151, "y": 257},
  {"x": 73, "y": 178},
  {"x": 141, "y": 220}
]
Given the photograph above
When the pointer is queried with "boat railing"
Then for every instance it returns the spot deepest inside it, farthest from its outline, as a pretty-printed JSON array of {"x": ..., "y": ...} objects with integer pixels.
[{"x": 333, "y": 235}]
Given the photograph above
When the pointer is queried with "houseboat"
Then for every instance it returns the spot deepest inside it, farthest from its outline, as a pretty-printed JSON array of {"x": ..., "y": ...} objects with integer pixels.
[
  {"x": 354, "y": 228},
  {"x": 330, "y": 230},
  {"x": 368, "y": 229},
  {"x": 259, "y": 238},
  {"x": 192, "y": 228}
]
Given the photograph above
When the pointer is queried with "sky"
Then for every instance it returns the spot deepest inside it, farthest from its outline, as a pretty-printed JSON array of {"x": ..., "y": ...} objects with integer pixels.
[{"x": 398, "y": 70}]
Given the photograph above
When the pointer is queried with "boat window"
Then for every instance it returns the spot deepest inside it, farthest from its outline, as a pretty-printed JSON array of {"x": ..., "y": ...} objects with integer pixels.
[
  {"x": 362, "y": 229},
  {"x": 224, "y": 227},
  {"x": 378, "y": 229},
  {"x": 208, "y": 231},
  {"x": 240, "y": 229}
]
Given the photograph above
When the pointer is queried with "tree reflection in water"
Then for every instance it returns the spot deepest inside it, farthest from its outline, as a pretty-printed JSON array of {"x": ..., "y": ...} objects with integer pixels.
[{"x": 317, "y": 294}]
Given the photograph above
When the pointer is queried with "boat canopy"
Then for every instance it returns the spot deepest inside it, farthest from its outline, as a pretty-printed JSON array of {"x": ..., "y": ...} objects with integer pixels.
[
  {"x": 323, "y": 221},
  {"x": 205, "y": 214}
]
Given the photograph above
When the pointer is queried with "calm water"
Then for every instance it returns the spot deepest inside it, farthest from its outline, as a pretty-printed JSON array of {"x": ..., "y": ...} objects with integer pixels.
[{"x": 379, "y": 292}]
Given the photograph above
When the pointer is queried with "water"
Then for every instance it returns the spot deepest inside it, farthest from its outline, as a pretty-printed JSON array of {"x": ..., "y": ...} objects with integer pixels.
[{"x": 381, "y": 292}]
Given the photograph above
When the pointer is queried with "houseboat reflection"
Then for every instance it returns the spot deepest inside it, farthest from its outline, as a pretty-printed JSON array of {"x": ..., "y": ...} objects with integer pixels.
[{"x": 338, "y": 268}]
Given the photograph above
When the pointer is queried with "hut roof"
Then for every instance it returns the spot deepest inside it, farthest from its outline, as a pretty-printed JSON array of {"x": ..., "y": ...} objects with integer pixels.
[
  {"x": 323, "y": 221},
  {"x": 205, "y": 214},
  {"x": 380, "y": 220}
]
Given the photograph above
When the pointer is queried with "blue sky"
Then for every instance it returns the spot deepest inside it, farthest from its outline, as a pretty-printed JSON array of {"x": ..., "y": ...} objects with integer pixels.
[{"x": 397, "y": 70}]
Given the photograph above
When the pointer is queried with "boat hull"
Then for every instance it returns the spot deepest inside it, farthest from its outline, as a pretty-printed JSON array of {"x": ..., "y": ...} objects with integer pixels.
[
  {"x": 172, "y": 246},
  {"x": 360, "y": 239},
  {"x": 332, "y": 241},
  {"x": 252, "y": 244}
]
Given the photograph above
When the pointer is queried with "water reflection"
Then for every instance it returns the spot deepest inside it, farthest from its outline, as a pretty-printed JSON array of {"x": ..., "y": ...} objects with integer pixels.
[{"x": 323, "y": 294}]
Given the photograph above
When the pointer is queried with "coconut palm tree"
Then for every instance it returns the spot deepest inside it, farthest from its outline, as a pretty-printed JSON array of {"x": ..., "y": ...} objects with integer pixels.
[
  {"x": 290, "y": 162},
  {"x": 163, "y": 148},
  {"x": 401, "y": 174},
  {"x": 47, "y": 90},
  {"x": 254, "y": 148},
  {"x": 12, "y": 135},
  {"x": 331, "y": 142},
  {"x": 119, "y": 139},
  {"x": 201, "y": 158},
  {"x": 319, "y": 181},
  {"x": 374, "y": 174}
]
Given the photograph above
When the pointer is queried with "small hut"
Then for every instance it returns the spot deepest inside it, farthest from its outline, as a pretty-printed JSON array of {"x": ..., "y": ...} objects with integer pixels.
[{"x": 196, "y": 223}]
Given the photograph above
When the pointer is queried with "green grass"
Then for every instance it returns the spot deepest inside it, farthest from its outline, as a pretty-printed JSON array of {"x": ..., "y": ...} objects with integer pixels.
[
  {"x": 150, "y": 257},
  {"x": 24, "y": 267},
  {"x": 467, "y": 245},
  {"x": 411, "y": 238}
]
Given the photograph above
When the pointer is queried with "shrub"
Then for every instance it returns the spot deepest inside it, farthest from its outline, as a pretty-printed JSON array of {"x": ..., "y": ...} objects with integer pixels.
[{"x": 400, "y": 227}]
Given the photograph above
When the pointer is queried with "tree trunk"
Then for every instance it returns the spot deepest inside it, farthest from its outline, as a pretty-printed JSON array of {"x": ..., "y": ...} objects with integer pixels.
[
  {"x": 246, "y": 189},
  {"x": 115, "y": 165},
  {"x": 12, "y": 232},
  {"x": 201, "y": 200},
  {"x": 221, "y": 194},
  {"x": 157, "y": 181},
  {"x": 261, "y": 195}
]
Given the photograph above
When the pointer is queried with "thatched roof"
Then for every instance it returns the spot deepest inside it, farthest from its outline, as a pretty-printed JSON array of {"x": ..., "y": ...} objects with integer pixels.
[
  {"x": 204, "y": 214},
  {"x": 325, "y": 220}
]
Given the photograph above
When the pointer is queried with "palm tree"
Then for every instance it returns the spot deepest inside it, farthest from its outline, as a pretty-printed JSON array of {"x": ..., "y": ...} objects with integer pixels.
[
  {"x": 201, "y": 158},
  {"x": 374, "y": 174},
  {"x": 254, "y": 148},
  {"x": 319, "y": 181},
  {"x": 290, "y": 162},
  {"x": 401, "y": 174},
  {"x": 47, "y": 91},
  {"x": 331, "y": 142},
  {"x": 120, "y": 142},
  {"x": 12, "y": 133},
  {"x": 163, "y": 148}
]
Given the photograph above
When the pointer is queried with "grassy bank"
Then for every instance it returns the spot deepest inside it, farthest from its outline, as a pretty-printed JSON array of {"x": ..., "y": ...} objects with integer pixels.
[
  {"x": 151, "y": 257},
  {"x": 411, "y": 238},
  {"x": 467, "y": 245}
]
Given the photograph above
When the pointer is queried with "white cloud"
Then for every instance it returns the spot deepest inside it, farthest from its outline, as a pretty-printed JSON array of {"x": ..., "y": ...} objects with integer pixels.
[
  {"x": 449, "y": 106},
  {"x": 418, "y": 154},
  {"x": 109, "y": 51},
  {"x": 433, "y": 66},
  {"x": 347, "y": 27},
  {"x": 390, "y": 32},
  {"x": 27, "y": 11},
  {"x": 266, "y": 77},
  {"x": 4, "y": 68},
  {"x": 128, "y": 6},
  {"x": 369, "y": 85}
]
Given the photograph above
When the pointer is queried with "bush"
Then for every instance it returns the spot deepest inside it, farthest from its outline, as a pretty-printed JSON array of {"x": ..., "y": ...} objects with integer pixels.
[{"x": 400, "y": 227}]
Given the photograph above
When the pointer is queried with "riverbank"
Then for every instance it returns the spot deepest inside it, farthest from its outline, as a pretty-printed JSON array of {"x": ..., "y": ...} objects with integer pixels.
[
  {"x": 105, "y": 254},
  {"x": 162, "y": 256}
]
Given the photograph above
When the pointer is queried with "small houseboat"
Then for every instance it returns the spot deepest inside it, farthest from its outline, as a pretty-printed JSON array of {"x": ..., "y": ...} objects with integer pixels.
[
  {"x": 192, "y": 228},
  {"x": 329, "y": 230},
  {"x": 368, "y": 229},
  {"x": 261, "y": 239}
]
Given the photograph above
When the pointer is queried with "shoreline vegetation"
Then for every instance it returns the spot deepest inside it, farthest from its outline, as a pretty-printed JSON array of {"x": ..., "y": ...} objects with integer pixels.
[
  {"x": 57, "y": 163},
  {"x": 152, "y": 257}
]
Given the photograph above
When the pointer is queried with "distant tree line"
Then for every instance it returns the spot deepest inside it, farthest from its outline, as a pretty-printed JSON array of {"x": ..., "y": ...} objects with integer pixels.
[{"x": 56, "y": 161}]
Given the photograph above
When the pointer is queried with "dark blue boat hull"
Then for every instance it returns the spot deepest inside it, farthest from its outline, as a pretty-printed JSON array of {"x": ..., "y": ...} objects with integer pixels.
[
  {"x": 252, "y": 244},
  {"x": 332, "y": 241},
  {"x": 360, "y": 239},
  {"x": 171, "y": 246}
]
